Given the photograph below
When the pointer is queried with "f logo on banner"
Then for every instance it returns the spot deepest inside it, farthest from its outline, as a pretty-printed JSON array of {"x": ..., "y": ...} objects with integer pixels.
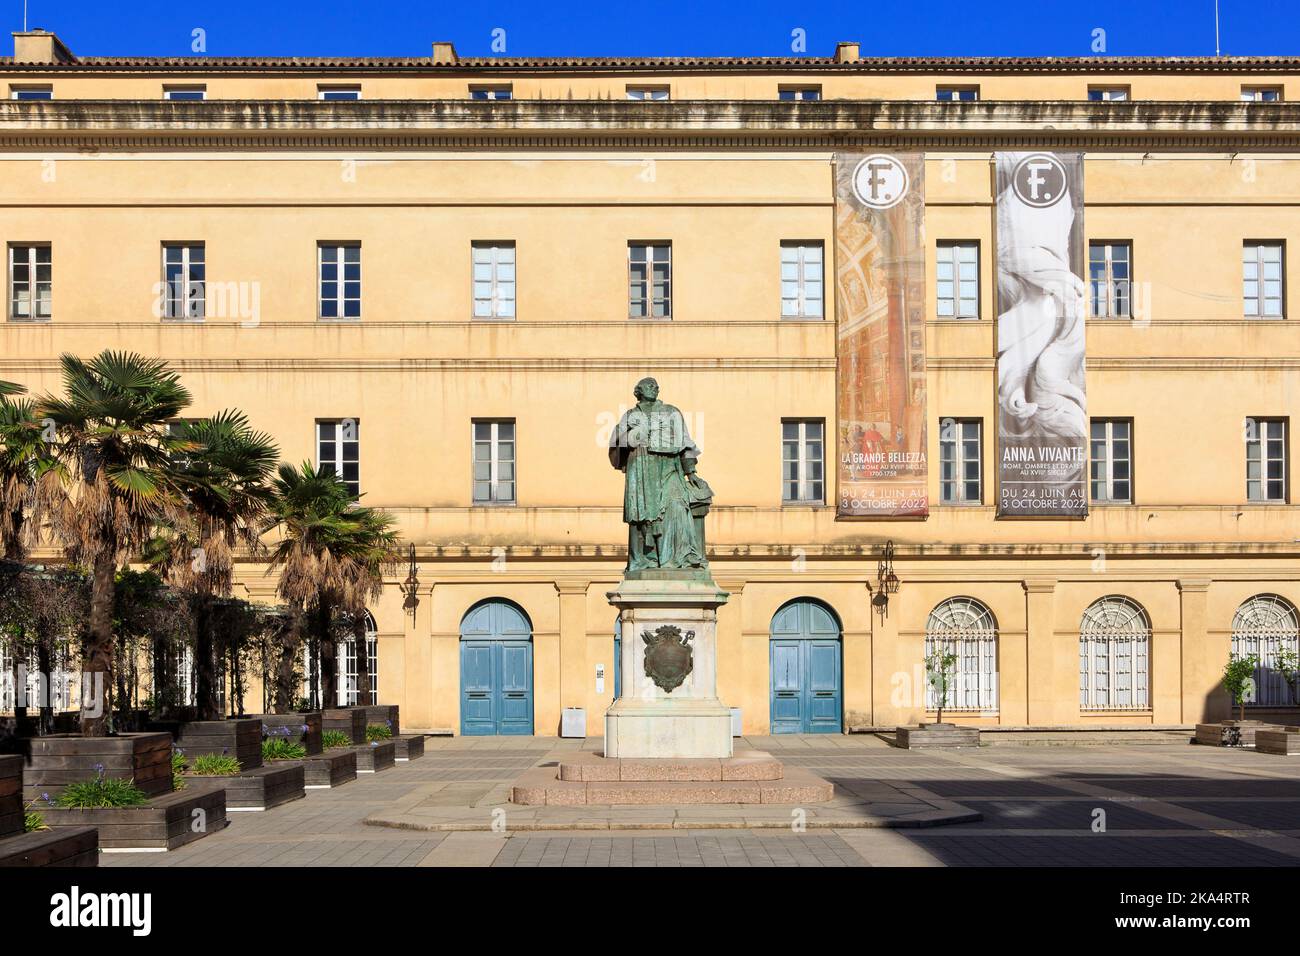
[
  {"x": 1039, "y": 180},
  {"x": 880, "y": 181}
]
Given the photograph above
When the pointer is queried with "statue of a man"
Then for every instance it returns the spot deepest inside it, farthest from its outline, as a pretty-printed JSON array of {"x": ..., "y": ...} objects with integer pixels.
[{"x": 663, "y": 499}]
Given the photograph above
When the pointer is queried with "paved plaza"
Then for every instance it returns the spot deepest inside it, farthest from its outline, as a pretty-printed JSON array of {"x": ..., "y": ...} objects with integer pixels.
[{"x": 1155, "y": 804}]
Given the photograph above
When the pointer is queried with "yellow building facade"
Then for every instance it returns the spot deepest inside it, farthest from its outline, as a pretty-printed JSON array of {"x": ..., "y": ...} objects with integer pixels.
[{"x": 423, "y": 187}]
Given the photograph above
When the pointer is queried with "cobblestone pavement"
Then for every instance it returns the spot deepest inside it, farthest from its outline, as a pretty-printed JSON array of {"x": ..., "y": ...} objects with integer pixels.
[{"x": 1115, "y": 805}]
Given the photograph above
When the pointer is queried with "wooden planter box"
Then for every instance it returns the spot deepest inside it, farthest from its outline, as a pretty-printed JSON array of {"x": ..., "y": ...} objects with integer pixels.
[
  {"x": 310, "y": 738},
  {"x": 1230, "y": 733},
  {"x": 1281, "y": 741},
  {"x": 350, "y": 720},
  {"x": 332, "y": 768},
  {"x": 55, "y": 761},
  {"x": 258, "y": 789},
  {"x": 239, "y": 738},
  {"x": 937, "y": 736},
  {"x": 385, "y": 714},
  {"x": 164, "y": 823},
  {"x": 409, "y": 748},
  {"x": 11, "y": 796},
  {"x": 371, "y": 758},
  {"x": 66, "y": 846}
]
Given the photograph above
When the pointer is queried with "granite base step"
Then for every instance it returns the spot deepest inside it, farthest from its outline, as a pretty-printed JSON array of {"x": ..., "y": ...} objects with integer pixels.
[{"x": 591, "y": 779}]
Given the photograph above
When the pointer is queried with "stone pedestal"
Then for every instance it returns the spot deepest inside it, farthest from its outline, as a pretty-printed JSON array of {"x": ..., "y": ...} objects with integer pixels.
[{"x": 650, "y": 720}]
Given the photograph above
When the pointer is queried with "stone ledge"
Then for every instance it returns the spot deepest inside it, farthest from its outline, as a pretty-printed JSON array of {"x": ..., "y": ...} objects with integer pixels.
[
  {"x": 542, "y": 786},
  {"x": 744, "y": 765}
]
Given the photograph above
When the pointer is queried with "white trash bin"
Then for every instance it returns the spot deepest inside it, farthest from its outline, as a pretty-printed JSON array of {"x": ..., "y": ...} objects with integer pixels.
[{"x": 573, "y": 722}]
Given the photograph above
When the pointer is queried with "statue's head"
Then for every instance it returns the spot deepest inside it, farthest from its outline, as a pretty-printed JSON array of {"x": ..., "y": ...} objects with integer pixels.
[{"x": 646, "y": 390}]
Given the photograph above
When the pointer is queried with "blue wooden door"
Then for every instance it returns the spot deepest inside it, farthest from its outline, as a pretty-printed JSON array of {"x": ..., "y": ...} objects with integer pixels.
[
  {"x": 496, "y": 671},
  {"x": 806, "y": 676}
]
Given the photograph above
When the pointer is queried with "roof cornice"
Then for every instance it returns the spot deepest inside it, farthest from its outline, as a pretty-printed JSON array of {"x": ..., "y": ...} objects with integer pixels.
[{"x": 144, "y": 124}]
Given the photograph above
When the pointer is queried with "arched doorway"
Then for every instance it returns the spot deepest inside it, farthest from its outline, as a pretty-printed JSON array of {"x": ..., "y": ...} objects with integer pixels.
[
  {"x": 806, "y": 669},
  {"x": 496, "y": 670}
]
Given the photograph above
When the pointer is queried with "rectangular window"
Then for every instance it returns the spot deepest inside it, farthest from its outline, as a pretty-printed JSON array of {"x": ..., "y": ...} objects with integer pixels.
[
  {"x": 338, "y": 450},
  {"x": 491, "y": 92},
  {"x": 494, "y": 462},
  {"x": 1111, "y": 461},
  {"x": 1261, "y": 94},
  {"x": 802, "y": 278},
  {"x": 960, "y": 461},
  {"x": 184, "y": 281},
  {"x": 647, "y": 92},
  {"x": 1266, "y": 469},
  {"x": 31, "y": 92},
  {"x": 650, "y": 271},
  {"x": 1108, "y": 93},
  {"x": 802, "y": 461},
  {"x": 494, "y": 280},
  {"x": 185, "y": 93},
  {"x": 957, "y": 93},
  {"x": 340, "y": 280},
  {"x": 1110, "y": 278},
  {"x": 30, "y": 282},
  {"x": 352, "y": 92},
  {"x": 799, "y": 93},
  {"x": 1261, "y": 279},
  {"x": 957, "y": 272}
]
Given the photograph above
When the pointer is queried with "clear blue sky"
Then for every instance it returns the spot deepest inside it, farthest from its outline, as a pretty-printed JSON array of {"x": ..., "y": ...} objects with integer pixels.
[{"x": 665, "y": 27}]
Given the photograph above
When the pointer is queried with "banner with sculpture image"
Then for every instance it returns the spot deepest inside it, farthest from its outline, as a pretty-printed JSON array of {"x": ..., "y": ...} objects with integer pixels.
[
  {"x": 1042, "y": 406},
  {"x": 880, "y": 311}
]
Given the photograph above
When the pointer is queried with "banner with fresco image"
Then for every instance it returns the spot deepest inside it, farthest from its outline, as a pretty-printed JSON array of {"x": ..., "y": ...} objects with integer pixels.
[
  {"x": 1042, "y": 404},
  {"x": 880, "y": 311}
]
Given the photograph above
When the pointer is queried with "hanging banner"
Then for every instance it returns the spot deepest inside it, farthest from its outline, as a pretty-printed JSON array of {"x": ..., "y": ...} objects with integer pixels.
[
  {"x": 1042, "y": 407},
  {"x": 880, "y": 310}
]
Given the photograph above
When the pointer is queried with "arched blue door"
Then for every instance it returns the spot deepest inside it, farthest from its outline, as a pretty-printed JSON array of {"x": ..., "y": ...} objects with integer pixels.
[
  {"x": 806, "y": 691},
  {"x": 496, "y": 671}
]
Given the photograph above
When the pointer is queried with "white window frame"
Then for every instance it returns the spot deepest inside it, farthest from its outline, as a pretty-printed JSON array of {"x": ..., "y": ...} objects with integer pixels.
[
  {"x": 172, "y": 303},
  {"x": 346, "y": 660},
  {"x": 808, "y": 468},
  {"x": 1109, "y": 94},
  {"x": 495, "y": 304},
  {"x": 648, "y": 286},
  {"x": 1259, "y": 94},
  {"x": 494, "y": 460},
  {"x": 953, "y": 94},
  {"x": 504, "y": 91},
  {"x": 170, "y": 91},
  {"x": 960, "y": 448},
  {"x": 1265, "y": 625},
  {"x": 797, "y": 93},
  {"x": 340, "y": 459},
  {"x": 1115, "y": 295},
  {"x": 1101, "y": 468},
  {"x": 1263, "y": 433},
  {"x": 340, "y": 297},
  {"x": 62, "y": 687},
  {"x": 33, "y": 284},
  {"x": 17, "y": 89},
  {"x": 965, "y": 627},
  {"x": 1255, "y": 257},
  {"x": 644, "y": 93},
  {"x": 1114, "y": 649},
  {"x": 806, "y": 258},
  {"x": 955, "y": 256},
  {"x": 323, "y": 88}
]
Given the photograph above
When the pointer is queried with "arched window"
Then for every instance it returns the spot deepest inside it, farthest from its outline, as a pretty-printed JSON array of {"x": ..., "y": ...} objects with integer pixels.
[
  {"x": 1114, "y": 645},
  {"x": 965, "y": 627},
  {"x": 1267, "y": 626},
  {"x": 347, "y": 658}
]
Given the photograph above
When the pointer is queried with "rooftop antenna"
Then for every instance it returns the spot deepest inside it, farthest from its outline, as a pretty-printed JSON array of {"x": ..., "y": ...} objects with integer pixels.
[{"x": 1216, "y": 27}]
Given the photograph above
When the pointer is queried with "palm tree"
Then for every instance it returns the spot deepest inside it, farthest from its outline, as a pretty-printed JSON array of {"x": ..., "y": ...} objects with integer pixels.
[
  {"x": 371, "y": 551},
  {"x": 112, "y": 437},
  {"x": 31, "y": 477},
  {"x": 310, "y": 509},
  {"x": 222, "y": 474}
]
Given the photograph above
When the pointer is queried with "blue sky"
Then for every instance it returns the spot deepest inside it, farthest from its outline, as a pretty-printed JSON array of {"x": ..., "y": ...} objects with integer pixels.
[{"x": 665, "y": 27}]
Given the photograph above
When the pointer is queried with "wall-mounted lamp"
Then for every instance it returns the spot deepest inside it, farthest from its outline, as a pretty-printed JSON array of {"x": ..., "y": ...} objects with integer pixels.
[
  {"x": 411, "y": 586},
  {"x": 886, "y": 581}
]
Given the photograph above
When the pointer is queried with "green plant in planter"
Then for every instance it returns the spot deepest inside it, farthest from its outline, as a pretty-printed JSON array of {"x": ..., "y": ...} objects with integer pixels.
[
  {"x": 32, "y": 819},
  {"x": 379, "y": 731},
  {"x": 215, "y": 765},
  {"x": 1239, "y": 680},
  {"x": 179, "y": 763},
  {"x": 101, "y": 792},
  {"x": 940, "y": 669},
  {"x": 278, "y": 748},
  {"x": 331, "y": 739}
]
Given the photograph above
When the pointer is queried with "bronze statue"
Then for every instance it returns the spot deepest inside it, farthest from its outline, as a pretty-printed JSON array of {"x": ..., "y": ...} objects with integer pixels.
[{"x": 664, "y": 500}]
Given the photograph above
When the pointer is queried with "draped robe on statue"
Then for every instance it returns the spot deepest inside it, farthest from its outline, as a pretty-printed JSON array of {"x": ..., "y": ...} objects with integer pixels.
[{"x": 652, "y": 446}]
